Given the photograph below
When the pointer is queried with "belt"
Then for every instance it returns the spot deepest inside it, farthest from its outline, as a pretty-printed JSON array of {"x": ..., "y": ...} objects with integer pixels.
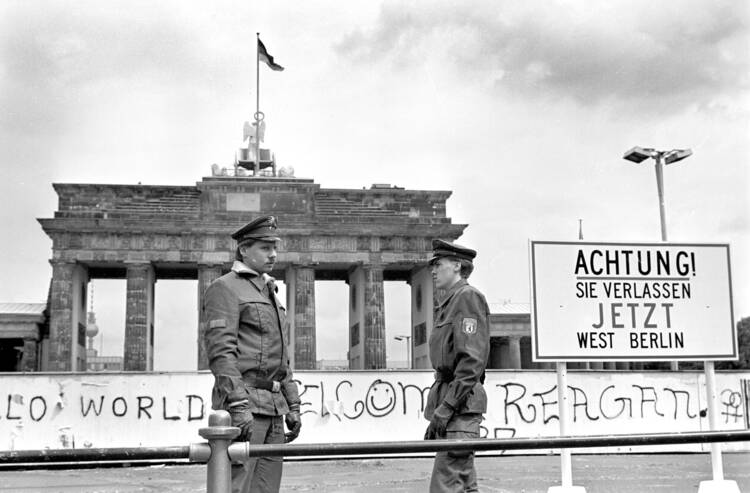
[
  {"x": 447, "y": 376},
  {"x": 261, "y": 383},
  {"x": 444, "y": 375}
]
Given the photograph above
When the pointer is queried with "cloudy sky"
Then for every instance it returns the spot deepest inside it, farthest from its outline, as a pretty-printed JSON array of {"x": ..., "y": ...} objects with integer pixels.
[{"x": 522, "y": 108}]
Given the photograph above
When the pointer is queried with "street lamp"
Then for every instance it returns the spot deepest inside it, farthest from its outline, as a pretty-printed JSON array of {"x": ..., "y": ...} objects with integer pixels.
[
  {"x": 640, "y": 154},
  {"x": 408, "y": 347}
]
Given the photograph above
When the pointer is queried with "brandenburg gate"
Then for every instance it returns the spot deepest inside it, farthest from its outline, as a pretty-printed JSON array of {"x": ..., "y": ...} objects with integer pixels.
[{"x": 143, "y": 233}]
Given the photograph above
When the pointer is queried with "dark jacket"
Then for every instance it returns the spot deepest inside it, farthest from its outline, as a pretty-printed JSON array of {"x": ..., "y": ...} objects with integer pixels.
[
  {"x": 246, "y": 341},
  {"x": 459, "y": 348}
]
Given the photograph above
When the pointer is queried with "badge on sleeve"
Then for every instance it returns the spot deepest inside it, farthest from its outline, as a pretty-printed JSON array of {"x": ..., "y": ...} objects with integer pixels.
[{"x": 469, "y": 325}]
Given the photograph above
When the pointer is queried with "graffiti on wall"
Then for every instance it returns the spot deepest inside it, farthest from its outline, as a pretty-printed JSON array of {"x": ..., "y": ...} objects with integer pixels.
[{"x": 118, "y": 410}]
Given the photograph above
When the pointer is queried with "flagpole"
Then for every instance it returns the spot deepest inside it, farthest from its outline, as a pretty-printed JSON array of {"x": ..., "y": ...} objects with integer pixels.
[{"x": 256, "y": 167}]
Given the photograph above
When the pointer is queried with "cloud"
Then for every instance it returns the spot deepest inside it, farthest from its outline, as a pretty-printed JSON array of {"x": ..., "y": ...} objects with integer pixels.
[
  {"x": 663, "y": 54},
  {"x": 53, "y": 55},
  {"x": 738, "y": 223}
]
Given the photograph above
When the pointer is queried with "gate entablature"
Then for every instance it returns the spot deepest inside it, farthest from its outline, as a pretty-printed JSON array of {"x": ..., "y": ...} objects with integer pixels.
[{"x": 146, "y": 232}]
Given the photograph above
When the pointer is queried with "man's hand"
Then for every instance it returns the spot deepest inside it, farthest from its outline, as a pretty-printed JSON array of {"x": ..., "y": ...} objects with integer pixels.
[
  {"x": 242, "y": 418},
  {"x": 429, "y": 434},
  {"x": 294, "y": 424},
  {"x": 439, "y": 422}
]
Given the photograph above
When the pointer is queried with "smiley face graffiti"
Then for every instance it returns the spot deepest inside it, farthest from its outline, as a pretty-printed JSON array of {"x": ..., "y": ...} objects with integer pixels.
[{"x": 380, "y": 398}]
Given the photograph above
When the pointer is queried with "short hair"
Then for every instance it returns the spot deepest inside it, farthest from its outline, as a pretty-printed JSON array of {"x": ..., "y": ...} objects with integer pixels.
[
  {"x": 245, "y": 243},
  {"x": 466, "y": 268}
]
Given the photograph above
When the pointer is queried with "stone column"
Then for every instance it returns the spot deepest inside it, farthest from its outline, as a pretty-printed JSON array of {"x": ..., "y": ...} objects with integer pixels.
[
  {"x": 356, "y": 353},
  {"x": 290, "y": 279},
  {"x": 495, "y": 360},
  {"x": 29, "y": 358},
  {"x": 80, "y": 308},
  {"x": 514, "y": 353},
  {"x": 139, "y": 318},
  {"x": 504, "y": 350},
  {"x": 525, "y": 348},
  {"x": 67, "y": 317},
  {"x": 374, "y": 326},
  {"x": 304, "y": 319},
  {"x": 61, "y": 317},
  {"x": 421, "y": 316},
  {"x": 207, "y": 273},
  {"x": 366, "y": 320}
]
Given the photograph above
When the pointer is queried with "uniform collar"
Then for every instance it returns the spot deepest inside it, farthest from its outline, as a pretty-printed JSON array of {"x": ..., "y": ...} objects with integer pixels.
[
  {"x": 452, "y": 290},
  {"x": 240, "y": 268}
]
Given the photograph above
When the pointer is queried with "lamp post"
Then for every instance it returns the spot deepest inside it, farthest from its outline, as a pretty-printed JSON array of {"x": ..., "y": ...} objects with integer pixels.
[
  {"x": 408, "y": 347},
  {"x": 640, "y": 154}
]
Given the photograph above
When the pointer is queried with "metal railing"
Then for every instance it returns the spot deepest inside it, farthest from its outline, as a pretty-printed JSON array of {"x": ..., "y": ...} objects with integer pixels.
[
  {"x": 497, "y": 444},
  {"x": 219, "y": 451},
  {"x": 52, "y": 456}
]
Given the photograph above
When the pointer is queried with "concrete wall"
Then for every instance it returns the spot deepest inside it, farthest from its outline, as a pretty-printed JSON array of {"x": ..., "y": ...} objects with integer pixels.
[{"x": 78, "y": 410}]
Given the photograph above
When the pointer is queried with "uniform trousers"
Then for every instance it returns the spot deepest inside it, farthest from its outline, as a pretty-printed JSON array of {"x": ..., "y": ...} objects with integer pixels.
[
  {"x": 261, "y": 474},
  {"x": 453, "y": 472}
]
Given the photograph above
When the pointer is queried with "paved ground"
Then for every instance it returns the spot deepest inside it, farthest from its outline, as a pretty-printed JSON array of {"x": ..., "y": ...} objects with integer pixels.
[{"x": 597, "y": 473}]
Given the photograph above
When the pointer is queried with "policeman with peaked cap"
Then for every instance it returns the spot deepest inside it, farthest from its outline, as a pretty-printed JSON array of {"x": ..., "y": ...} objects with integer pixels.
[
  {"x": 246, "y": 341},
  {"x": 459, "y": 348}
]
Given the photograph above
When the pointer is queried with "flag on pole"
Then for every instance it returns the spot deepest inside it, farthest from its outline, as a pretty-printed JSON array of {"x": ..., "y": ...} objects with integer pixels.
[{"x": 265, "y": 57}]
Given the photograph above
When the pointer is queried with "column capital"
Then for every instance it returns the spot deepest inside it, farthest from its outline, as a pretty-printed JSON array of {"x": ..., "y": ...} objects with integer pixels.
[
  {"x": 209, "y": 265},
  {"x": 61, "y": 261},
  {"x": 417, "y": 268},
  {"x": 303, "y": 265},
  {"x": 353, "y": 267},
  {"x": 138, "y": 266}
]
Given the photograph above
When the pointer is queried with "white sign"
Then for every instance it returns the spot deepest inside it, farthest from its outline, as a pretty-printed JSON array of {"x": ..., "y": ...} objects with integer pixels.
[{"x": 631, "y": 301}]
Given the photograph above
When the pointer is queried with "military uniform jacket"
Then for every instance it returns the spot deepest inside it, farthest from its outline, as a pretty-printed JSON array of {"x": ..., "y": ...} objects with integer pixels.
[
  {"x": 246, "y": 342},
  {"x": 459, "y": 348}
]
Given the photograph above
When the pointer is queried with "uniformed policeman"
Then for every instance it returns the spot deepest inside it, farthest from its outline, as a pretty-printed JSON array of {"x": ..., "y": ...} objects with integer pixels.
[
  {"x": 459, "y": 348},
  {"x": 246, "y": 342}
]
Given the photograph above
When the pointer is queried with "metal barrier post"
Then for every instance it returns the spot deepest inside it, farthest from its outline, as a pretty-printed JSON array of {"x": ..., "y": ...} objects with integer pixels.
[{"x": 219, "y": 434}]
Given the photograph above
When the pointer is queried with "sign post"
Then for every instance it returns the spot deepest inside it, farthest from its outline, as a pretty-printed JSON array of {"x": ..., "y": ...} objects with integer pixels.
[
  {"x": 634, "y": 302},
  {"x": 566, "y": 465},
  {"x": 718, "y": 484}
]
